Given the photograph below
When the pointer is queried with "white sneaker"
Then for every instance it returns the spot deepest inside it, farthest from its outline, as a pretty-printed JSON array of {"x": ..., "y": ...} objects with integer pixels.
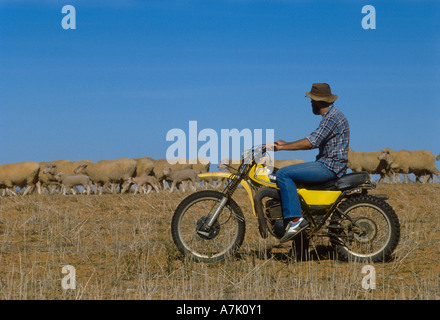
[{"x": 294, "y": 228}]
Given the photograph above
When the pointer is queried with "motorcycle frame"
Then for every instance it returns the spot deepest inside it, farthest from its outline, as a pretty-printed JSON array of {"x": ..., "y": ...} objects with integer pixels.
[{"x": 242, "y": 173}]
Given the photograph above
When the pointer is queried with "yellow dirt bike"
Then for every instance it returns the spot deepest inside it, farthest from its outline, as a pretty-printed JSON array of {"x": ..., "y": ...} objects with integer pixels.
[{"x": 209, "y": 225}]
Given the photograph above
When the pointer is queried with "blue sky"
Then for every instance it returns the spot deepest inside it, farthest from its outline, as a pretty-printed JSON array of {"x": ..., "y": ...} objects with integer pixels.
[{"x": 133, "y": 70}]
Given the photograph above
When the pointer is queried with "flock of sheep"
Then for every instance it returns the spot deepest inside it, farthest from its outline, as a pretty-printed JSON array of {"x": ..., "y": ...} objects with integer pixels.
[
  {"x": 389, "y": 164},
  {"x": 145, "y": 174},
  {"x": 118, "y": 175}
]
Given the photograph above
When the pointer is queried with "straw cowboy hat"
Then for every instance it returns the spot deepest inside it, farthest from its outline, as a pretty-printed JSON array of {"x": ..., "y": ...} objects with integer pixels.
[{"x": 321, "y": 92}]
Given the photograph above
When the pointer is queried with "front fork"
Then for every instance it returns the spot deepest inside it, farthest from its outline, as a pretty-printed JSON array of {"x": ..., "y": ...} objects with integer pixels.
[
  {"x": 216, "y": 213},
  {"x": 204, "y": 228}
]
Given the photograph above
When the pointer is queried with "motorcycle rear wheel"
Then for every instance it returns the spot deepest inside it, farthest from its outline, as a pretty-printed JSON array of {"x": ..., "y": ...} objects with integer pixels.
[
  {"x": 225, "y": 236},
  {"x": 373, "y": 232}
]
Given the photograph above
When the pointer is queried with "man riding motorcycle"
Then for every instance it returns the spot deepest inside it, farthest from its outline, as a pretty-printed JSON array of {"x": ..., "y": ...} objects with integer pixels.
[{"x": 332, "y": 137}]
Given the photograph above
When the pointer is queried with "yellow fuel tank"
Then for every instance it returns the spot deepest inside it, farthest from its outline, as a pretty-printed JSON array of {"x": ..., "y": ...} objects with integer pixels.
[{"x": 263, "y": 175}]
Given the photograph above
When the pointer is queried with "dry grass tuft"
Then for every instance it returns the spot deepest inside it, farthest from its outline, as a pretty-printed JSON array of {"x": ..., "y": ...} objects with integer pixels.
[{"x": 121, "y": 248}]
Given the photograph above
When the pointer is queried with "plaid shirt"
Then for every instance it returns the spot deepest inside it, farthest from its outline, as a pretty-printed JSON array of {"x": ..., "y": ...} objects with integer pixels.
[{"x": 332, "y": 138}]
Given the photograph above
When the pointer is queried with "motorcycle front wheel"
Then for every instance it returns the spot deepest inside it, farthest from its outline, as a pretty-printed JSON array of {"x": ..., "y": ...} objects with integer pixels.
[{"x": 222, "y": 239}]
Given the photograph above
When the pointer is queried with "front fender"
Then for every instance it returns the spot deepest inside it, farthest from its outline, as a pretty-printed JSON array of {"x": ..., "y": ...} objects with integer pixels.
[{"x": 227, "y": 175}]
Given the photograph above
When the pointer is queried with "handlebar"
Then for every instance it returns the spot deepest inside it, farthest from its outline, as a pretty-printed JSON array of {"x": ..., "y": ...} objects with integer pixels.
[
  {"x": 264, "y": 147},
  {"x": 255, "y": 153}
]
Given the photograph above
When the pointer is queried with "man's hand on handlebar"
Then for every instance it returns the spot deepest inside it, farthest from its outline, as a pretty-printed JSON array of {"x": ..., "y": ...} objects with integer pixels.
[{"x": 273, "y": 146}]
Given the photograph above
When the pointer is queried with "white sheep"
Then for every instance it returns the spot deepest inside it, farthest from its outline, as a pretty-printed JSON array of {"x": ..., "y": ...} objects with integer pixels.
[
  {"x": 419, "y": 162},
  {"x": 161, "y": 164},
  {"x": 144, "y": 166},
  {"x": 179, "y": 176},
  {"x": 105, "y": 172},
  {"x": 202, "y": 165},
  {"x": 46, "y": 179},
  {"x": 20, "y": 174},
  {"x": 73, "y": 181},
  {"x": 368, "y": 161},
  {"x": 51, "y": 168},
  {"x": 142, "y": 181}
]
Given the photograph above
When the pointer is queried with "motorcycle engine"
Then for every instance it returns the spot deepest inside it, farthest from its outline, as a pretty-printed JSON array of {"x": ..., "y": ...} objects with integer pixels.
[
  {"x": 273, "y": 209},
  {"x": 275, "y": 214}
]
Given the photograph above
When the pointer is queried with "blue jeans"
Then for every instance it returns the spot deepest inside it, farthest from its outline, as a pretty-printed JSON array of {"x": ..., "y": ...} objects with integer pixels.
[{"x": 308, "y": 172}]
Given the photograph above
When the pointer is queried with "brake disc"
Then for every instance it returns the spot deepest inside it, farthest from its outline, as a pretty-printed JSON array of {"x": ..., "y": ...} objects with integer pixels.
[
  {"x": 207, "y": 233},
  {"x": 365, "y": 230}
]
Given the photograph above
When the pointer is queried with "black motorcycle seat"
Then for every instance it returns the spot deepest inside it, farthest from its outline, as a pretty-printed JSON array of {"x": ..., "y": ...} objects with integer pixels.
[
  {"x": 352, "y": 180},
  {"x": 347, "y": 181}
]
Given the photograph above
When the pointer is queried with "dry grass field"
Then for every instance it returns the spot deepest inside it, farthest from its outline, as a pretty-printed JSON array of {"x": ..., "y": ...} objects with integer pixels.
[{"x": 121, "y": 248}]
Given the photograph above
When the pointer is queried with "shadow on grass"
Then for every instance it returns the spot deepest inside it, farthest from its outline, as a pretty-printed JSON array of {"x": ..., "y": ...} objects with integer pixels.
[{"x": 285, "y": 254}]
